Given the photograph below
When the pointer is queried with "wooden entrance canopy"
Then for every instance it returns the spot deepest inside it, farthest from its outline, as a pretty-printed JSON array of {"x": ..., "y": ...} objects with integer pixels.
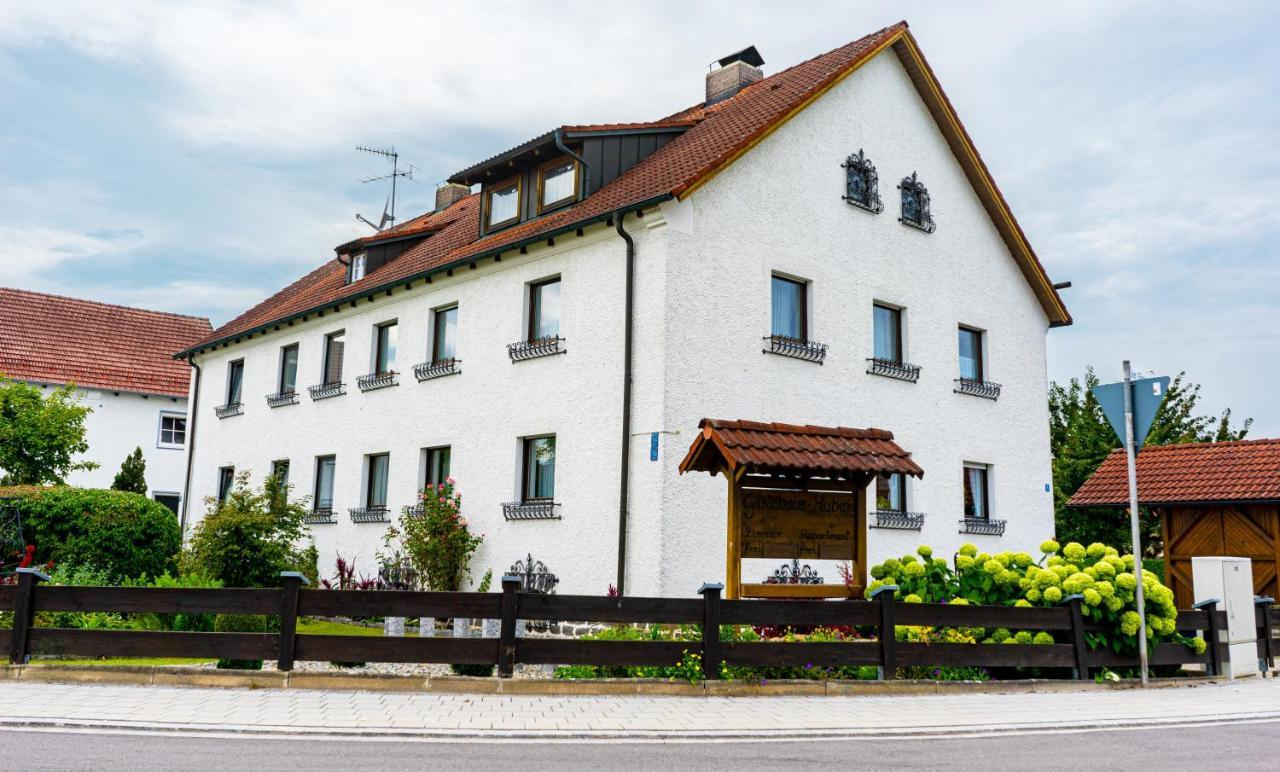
[
  {"x": 795, "y": 492},
  {"x": 1213, "y": 498}
]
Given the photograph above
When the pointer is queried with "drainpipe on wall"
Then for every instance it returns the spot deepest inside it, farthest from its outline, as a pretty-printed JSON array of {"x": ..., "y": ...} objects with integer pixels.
[
  {"x": 586, "y": 171},
  {"x": 624, "y": 463},
  {"x": 191, "y": 445}
]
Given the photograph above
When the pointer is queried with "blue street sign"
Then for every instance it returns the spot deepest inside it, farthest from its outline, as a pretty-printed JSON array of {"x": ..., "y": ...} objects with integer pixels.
[
  {"x": 1148, "y": 393},
  {"x": 653, "y": 446}
]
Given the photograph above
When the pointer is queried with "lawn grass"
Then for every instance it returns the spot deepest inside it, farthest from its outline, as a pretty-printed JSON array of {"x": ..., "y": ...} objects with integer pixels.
[
  {"x": 117, "y": 661},
  {"x": 308, "y": 626}
]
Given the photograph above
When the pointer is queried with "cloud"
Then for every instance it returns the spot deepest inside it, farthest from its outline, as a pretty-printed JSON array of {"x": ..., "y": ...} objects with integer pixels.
[{"x": 28, "y": 253}]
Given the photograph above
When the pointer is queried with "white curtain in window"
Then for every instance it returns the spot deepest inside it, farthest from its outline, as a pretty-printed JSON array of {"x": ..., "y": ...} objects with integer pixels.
[
  {"x": 971, "y": 355},
  {"x": 557, "y": 184},
  {"x": 446, "y": 334},
  {"x": 378, "y": 481},
  {"x": 546, "y": 310},
  {"x": 324, "y": 484},
  {"x": 886, "y": 334},
  {"x": 502, "y": 204},
  {"x": 976, "y": 492},
  {"x": 786, "y": 307}
]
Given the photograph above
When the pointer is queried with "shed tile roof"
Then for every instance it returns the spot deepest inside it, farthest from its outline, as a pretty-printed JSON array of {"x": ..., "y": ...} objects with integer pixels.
[
  {"x": 55, "y": 339},
  {"x": 717, "y": 136},
  {"x": 776, "y": 447},
  {"x": 1248, "y": 470}
]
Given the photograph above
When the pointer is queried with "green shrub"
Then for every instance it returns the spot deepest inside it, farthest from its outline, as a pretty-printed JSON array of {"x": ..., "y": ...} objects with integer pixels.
[
  {"x": 240, "y": 623},
  {"x": 132, "y": 474},
  {"x": 188, "y": 623},
  {"x": 123, "y": 534}
]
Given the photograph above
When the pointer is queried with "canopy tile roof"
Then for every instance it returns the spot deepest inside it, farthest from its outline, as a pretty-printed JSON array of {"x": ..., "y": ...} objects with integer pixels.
[
  {"x": 55, "y": 339},
  {"x": 717, "y": 136},
  {"x": 1248, "y": 470},
  {"x": 791, "y": 448}
]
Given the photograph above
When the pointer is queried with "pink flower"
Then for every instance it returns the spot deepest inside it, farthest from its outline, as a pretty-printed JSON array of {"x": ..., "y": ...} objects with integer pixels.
[
  {"x": 442, "y": 499},
  {"x": 449, "y": 480},
  {"x": 463, "y": 522}
]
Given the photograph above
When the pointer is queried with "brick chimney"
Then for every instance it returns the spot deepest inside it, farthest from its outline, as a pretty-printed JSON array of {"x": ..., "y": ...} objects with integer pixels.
[
  {"x": 735, "y": 71},
  {"x": 449, "y": 194}
]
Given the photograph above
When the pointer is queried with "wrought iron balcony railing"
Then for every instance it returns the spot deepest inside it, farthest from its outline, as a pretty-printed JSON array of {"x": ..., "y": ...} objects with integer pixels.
[
  {"x": 369, "y": 515},
  {"x": 982, "y": 526},
  {"x": 977, "y": 388},
  {"x": 321, "y": 516},
  {"x": 374, "y": 381},
  {"x": 796, "y": 348},
  {"x": 282, "y": 399},
  {"x": 533, "y": 349},
  {"x": 414, "y": 510},
  {"x": 892, "y": 368},
  {"x": 228, "y": 410},
  {"x": 436, "y": 368},
  {"x": 538, "y": 509},
  {"x": 326, "y": 390},
  {"x": 899, "y": 521}
]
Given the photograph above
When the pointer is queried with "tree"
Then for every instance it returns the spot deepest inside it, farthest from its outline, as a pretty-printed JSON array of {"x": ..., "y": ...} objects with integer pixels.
[
  {"x": 1080, "y": 438},
  {"x": 40, "y": 435},
  {"x": 131, "y": 476}
]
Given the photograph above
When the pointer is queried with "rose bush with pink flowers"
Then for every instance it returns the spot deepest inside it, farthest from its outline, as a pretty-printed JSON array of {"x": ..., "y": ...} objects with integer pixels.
[{"x": 435, "y": 538}]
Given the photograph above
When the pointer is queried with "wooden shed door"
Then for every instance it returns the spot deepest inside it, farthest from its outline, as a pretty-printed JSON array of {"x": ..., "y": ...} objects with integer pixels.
[{"x": 1244, "y": 531}]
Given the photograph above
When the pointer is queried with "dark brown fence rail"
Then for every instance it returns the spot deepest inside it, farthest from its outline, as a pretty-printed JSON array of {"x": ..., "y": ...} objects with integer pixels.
[{"x": 882, "y": 612}]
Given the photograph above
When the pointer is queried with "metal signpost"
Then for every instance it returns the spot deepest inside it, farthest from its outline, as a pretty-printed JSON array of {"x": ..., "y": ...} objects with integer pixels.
[{"x": 1130, "y": 406}]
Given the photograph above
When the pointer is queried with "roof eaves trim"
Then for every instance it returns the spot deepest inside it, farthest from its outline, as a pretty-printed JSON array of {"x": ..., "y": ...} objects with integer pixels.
[{"x": 463, "y": 177}]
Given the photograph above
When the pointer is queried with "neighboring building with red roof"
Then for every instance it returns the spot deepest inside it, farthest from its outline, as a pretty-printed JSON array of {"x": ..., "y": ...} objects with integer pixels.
[
  {"x": 575, "y": 303},
  {"x": 1213, "y": 498},
  {"x": 121, "y": 360}
]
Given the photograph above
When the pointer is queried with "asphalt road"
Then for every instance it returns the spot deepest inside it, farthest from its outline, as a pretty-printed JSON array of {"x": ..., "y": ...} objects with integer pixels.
[{"x": 1237, "y": 746}]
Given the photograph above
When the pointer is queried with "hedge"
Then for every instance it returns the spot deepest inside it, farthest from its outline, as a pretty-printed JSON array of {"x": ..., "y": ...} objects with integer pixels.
[{"x": 124, "y": 534}]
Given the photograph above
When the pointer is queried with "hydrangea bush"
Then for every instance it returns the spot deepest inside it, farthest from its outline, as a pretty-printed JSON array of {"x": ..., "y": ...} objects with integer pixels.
[{"x": 1097, "y": 572}]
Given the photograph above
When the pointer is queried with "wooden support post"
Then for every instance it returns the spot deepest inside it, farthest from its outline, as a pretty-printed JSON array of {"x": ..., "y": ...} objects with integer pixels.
[
  {"x": 24, "y": 613},
  {"x": 507, "y": 633},
  {"x": 1213, "y": 635},
  {"x": 888, "y": 639},
  {"x": 1078, "y": 645},
  {"x": 711, "y": 630},
  {"x": 290, "y": 584},
  {"x": 1266, "y": 649}
]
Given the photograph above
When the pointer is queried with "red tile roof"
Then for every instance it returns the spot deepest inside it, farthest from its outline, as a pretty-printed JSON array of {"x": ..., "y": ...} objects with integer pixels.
[
  {"x": 787, "y": 448},
  {"x": 720, "y": 134},
  {"x": 54, "y": 339},
  {"x": 1196, "y": 472}
]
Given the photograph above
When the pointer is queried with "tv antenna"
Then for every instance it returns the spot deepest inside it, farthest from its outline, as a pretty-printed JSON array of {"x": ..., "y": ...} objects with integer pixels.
[{"x": 389, "y": 207}]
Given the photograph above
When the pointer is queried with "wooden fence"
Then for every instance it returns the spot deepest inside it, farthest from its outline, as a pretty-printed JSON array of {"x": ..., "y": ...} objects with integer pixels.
[{"x": 291, "y": 601}]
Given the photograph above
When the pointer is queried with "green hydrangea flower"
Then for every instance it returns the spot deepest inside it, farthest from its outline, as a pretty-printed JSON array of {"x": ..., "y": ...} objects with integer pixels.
[
  {"x": 912, "y": 598},
  {"x": 1049, "y": 547},
  {"x": 1055, "y": 561},
  {"x": 908, "y": 559},
  {"x": 875, "y": 585},
  {"x": 992, "y": 567},
  {"x": 968, "y": 550},
  {"x": 1053, "y": 594},
  {"x": 1042, "y": 639},
  {"x": 1126, "y": 582},
  {"x": 939, "y": 563},
  {"x": 1033, "y": 595},
  {"x": 877, "y": 572},
  {"x": 1092, "y": 597},
  {"x": 1074, "y": 551},
  {"x": 1105, "y": 589},
  {"x": 1022, "y": 636},
  {"x": 964, "y": 562},
  {"x": 913, "y": 569},
  {"x": 1129, "y": 622},
  {"x": 1024, "y": 603},
  {"x": 1023, "y": 560},
  {"x": 958, "y": 602},
  {"x": 1111, "y": 552},
  {"x": 1096, "y": 550},
  {"x": 1000, "y": 635},
  {"x": 925, "y": 551},
  {"x": 1198, "y": 645},
  {"x": 1114, "y": 604}
]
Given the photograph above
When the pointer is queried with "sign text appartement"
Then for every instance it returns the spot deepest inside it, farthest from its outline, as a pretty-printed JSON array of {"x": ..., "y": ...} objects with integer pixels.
[{"x": 798, "y": 524}]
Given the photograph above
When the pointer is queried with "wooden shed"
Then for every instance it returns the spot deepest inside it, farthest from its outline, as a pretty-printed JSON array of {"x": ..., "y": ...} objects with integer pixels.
[{"x": 1213, "y": 498}]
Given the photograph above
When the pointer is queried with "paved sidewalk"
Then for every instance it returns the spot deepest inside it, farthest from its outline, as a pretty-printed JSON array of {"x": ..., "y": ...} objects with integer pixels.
[{"x": 295, "y": 712}]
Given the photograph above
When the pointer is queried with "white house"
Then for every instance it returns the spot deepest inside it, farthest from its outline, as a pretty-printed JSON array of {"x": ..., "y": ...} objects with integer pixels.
[
  {"x": 120, "y": 360},
  {"x": 821, "y": 246}
]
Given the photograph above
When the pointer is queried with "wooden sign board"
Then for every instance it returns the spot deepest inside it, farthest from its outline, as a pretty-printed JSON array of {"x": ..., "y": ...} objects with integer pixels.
[{"x": 798, "y": 524}]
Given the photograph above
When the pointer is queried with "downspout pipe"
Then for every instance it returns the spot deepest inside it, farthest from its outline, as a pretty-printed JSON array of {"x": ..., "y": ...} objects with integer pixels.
[
  {"x": 192, "y": 412},
  {"x": 586, "y": 172},
  {"x": 624, "y": 461}
]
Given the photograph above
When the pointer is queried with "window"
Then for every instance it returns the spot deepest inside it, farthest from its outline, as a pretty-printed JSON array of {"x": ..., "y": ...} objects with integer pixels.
[
  {"x": 502, "y": 204},
  {"x": 444, "y": 341},
  {"x": 384, "y": 348},
  {"x": 977, "y": 499},
  {"x": 862, "y": 184},
  {"x": 539, "y": 469},
  {"x": 888, "y": 333},
  {"x": 971, "y": 354},
  {"x": 437, "y": 465},
  {"x": 173, "y": 430},
  {"x": 557, "y": 184},
  {"x": 235, "y": 379},
  {"x": 891, "y": 493},
  {"x": 280, "y": 470},
  {"x": 170, "y": 500},
  {"x": 289, "y": 369},
  {"x": 332, "y": 367},
  {"x": 325, "y": 466},
  {"x": 226, "y": 479},
  {"x": 376, "y": 483},
  {"x": 544, "y": 309},
  {"x": 788, "y": 308},
  {"x": 915, "y": 204},
  {"x": 358, "y": 263}
]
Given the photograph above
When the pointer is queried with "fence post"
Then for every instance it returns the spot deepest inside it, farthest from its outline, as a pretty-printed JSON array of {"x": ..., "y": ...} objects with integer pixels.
[
  {"x": 1212, "y": 635},
  {"x": 711, "y": 630},
  {"x": 507, "y": 633},
  {"x": 290, "y": 584},
  {"x": 1078, "y": 645},
  {"x": 1267, "y": 656},
  {"x": 24, "y": 613},
  {"x": 888, "y": 630}
]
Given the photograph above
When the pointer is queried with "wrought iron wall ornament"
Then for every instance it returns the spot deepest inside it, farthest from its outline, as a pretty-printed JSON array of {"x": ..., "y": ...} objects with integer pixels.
[
  {"x": 982, "y": 526},
  {"x": 530, "y": 510},
  {"x": 282, "y": 399},
  {"x": 322, "y": 516},
  {"x": 899, "y": 521},
  {"x": 398, "y": 574},
  {"x": 976, "y": 388},
  {"x": 796, "y": 348},
  {"x": 374, "y": 381},
  {"x": 228, "y": 410},
  {"x": 862, "y": 183},
  {"x": 436, "y": 368},
  {"x": 794, "y": 574},
  {"x": 892, "y": 368},
  {"x": 534, "y": 575},
  {"x": 327, "y": 390},
  {"x": 533, "y": 349},
  {"x": 369, "y": 515},
  {"x": 915, "y": 204}
]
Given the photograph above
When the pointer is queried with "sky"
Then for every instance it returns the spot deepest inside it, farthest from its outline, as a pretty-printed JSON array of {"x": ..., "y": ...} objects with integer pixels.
[{"x": 196, "y": 157}]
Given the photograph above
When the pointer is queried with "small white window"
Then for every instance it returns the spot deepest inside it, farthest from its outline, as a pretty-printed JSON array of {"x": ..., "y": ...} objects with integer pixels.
[
  {"x": 357, "y": 267},
  {"x": 173, "y": 430}
]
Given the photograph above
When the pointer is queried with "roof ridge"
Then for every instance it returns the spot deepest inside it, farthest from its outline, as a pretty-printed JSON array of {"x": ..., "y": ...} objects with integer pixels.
[{"x": 105, "y": 304}]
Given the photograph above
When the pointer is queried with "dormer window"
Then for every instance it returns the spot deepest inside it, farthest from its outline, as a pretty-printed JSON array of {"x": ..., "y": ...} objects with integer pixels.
[
  {"x": 557, "y": 184},
  {"x": 502, "y": 204},
  {"x": 357, "y": 267},
  {"x": 862, "y": 183}
]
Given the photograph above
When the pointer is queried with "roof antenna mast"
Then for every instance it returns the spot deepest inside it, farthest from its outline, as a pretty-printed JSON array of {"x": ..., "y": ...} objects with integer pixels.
[{"x": 388, "y": 208}]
